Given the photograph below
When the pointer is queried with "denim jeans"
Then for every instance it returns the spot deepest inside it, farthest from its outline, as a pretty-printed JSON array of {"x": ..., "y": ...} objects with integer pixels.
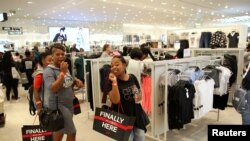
[
  {"x": 205, "y": 39},
  {"x": 137, "y": 135},
  {"x": 246, "y": 116}
]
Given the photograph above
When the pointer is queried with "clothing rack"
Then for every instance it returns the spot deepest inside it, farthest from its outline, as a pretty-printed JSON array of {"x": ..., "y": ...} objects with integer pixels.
[
  {"x": 238, "y": 52},
  {"x": 158, "y": 68}
]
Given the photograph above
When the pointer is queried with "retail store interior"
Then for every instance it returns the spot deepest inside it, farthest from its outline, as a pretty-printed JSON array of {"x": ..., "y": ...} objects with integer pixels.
[{"x": 210, "y": 32}]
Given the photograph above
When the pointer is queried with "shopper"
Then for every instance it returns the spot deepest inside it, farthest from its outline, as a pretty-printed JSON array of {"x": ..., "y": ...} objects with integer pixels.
[
  {"x": 59, "y": 84},
  {"x": 246, "y": 85},
  {"x": 8, "y": 80},
  {"x": 28, "y": 66},
  {"x": 125, "y": 90},
  {"x": 247, "y": 55},
  {"x": 107, "y": 51},
  {"x": 135, "y": 66},
  {"x": 44, "y": 60}
]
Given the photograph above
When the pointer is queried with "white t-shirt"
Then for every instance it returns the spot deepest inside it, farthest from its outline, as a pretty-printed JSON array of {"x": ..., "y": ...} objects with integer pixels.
[{"x": 203, "y": 100}]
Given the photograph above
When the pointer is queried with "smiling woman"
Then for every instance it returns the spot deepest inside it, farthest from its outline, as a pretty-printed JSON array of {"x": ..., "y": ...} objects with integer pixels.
[{"x": 125, "y": 91}]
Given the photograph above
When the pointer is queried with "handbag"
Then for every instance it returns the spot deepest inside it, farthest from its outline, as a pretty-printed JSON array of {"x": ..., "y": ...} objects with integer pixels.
[
  {"x": 76, "y": 106},
  {"x": 15, "y": 73},
  {"x": 51, "y": 120},
  {"x": 24, "y": 78},
  {"x": 239, "y": 100},
  {"x": 113, "y": 124}
]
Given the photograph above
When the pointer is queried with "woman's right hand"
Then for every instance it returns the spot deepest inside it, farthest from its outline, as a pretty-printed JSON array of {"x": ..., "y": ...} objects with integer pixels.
[
  {"x": 112, "y": 77},
  {"x": 64, "y": 67}
]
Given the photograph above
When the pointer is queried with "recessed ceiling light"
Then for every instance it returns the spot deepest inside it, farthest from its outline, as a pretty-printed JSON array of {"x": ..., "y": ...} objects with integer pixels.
[
  {"x": 30, "y": 2},
  {"x": 117, "y": 8},
  {"x": 210, "y": 3},
  {"x": 226, "y": 6},
  {"x": 212, "y": 13},
  {"x": 104, "y": 7},
  {"x": 163, "y": 3},
  {"x": 73, "y": 3},
  {"x": 182, "y": 7}
]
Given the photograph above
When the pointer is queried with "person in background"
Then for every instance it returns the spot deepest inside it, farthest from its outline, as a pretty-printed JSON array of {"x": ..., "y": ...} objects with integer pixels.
[
  {"x": 125, "y": 51},
  {"x": 36, "y": 53},
  {"x": 135, "y": 66},
  {"x": 73, "y": 48},
  {"x": 28, "y": 66},
  {"x": 246, "y": 85},
  {"x": 125, "y": 90},
  {"x": 59, "y": 85},
  {"x": 147, "y": 55},
  {"x": 107, "y": 51},
  {"x": 247, "y": 55},
  {"x": 8, "y": 80},
  {"x": 44, "y": 60},
  {"x": 79, "y": 65}
]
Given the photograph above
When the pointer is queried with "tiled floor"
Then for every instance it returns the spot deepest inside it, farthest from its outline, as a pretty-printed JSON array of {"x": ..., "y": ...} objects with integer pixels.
[{"x": 18, "y": 115}]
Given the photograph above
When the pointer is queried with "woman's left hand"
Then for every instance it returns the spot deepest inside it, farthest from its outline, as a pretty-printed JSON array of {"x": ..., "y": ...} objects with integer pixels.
[{"x": 78, "y": 83}]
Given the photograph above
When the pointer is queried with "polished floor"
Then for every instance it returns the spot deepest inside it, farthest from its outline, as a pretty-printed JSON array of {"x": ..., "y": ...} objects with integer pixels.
[{"x": 17, "y": 115}]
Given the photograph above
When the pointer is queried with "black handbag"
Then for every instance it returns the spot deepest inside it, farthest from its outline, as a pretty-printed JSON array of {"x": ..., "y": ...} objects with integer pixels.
[
  {"x": 51, "y": 120},
  {"x": 76, "y": 106}
]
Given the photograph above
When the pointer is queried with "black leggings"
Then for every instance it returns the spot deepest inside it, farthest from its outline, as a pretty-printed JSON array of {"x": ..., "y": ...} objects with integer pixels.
[{"x": 12, "y": 84}]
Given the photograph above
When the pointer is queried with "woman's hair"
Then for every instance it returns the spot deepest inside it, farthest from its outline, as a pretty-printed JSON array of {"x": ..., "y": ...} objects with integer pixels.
[
  {"x": 146, "y": 51},
  {"x": 27, "y": 53},
  {"x": 7, "y": 61},
  {"x": 57, "y": 46},
  {"x": 136, "y": 53},
  {"x": 105, "y": 47},
  {"x": 121, "y": 58},
  {"x": 43, "y": 56}
]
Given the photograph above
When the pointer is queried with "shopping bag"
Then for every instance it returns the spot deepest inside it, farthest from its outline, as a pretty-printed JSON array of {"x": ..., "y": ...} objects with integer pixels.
[
  {"x": 76, "y": 105},
  {"x": 35, "y": 133},
  {"x": 24, "y": 78},
  {"x": 15, "y": 73},
  {"x": 113, "y": 124}
]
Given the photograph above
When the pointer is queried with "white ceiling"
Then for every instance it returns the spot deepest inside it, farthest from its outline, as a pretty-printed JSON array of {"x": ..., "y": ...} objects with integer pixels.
[{"x": 114, "y": 13}]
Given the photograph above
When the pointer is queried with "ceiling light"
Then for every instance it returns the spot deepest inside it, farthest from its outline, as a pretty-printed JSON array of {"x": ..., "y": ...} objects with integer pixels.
[
  {"x": 104, "y": 7},
  {"x": 226, "y": 6},
  {"x": 73, "y": 3},
  {"x": 117, "y": 8},
  {"x": 182, "y": 7},
  {"x": 222, "y": 16},
  {"x": 199, "y": 10},
  {"x": 163, "y": 3},
  {"x": 30, "y": 2},
  {"x": 210, "y": 3},
  {"x": 212, "y": 13}
]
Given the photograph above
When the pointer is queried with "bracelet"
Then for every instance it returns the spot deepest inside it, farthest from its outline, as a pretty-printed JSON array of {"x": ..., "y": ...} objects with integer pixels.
[
  {"x": 114, "y": 84},
  {"x": 62, "y": 74},
  {"x": 38, "y": 102}
]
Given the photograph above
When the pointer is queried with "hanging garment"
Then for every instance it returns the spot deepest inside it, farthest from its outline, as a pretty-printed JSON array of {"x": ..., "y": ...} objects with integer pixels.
[
  {"x": 203, "y": 100},
  {"x": 205, "y": 39},
  {"x": 146, "y": 97},
  {"x": 194, "y": 40},
  {"x": 230, "y": 62},
  {"x": 180, "y": 104},
  {"x": 233, "y": 39},
  {"x": 224, "y": 81},
  {"x": 218, "y": 40}
]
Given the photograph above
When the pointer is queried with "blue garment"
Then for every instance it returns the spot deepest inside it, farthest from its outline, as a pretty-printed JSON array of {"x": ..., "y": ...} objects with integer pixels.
[
  {"x": 194, "y": 74},
  {"x": 246, "y": 115},
  {"x": 205, "y": 39},
  {"x": 137, "y": 135}
]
